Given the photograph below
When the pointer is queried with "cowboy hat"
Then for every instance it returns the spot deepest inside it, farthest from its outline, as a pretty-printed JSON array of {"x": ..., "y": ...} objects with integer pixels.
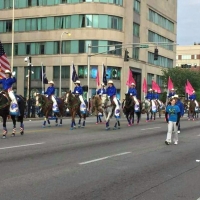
[
  {"x": 132, "y": 83},
  {"x": 50, "y": 82},
  {"x": 8, "y": 72},
  {"x": 102, "y": 84},
  {"x": 110, "y": 81},
  {"x": 193, "y": 91},
  {"x": 77, "y": 81},
  {"x": 155, "y": 91},
  {"x": 172, "y": 89},
  {"x": 150, "y": 89},
  {"x": 175, "y": 96}
]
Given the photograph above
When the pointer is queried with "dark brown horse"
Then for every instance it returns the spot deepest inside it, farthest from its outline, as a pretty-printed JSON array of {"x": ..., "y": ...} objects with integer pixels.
[
  {"x": 191, "y": 109},
  {"x": 4, "y": 113},
  {"x": 73, "y": 104},
  {"x": 47, "y": 105}
]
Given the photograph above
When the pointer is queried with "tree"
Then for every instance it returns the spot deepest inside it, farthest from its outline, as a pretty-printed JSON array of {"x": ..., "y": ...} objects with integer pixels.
[{"x": 179, "y": 77}]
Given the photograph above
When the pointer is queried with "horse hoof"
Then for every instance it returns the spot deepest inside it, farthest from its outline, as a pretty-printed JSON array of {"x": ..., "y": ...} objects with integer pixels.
[
  {"x": 71, "y": 128},
  {"x": 22, "y": 133},
  {"x": 60, "y": 124},
  {"x": 13, "y": 135},
  {"x": 4, "y": 137},
  {"x": 114, "y": 128},
  {"x": 129, "y": 125},
  {"x": 49, "y": 125},
  {"x": 43, "y": 126},
  {"x": 79, "y": 126},
  {"x": 96, "y": 123},
  {"x": 56, "y": 124},
  {"x": 82, "y": 126},
  {"x": 107, "y": 128},
  {"x": 118, "y": 127}
]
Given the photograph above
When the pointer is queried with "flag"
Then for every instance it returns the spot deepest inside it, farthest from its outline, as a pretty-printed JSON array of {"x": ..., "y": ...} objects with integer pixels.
[
  {"x": 155, "y": 86},
  {"x": 188, "y": 88},
  {"x": 130, "y": 78},
  {"x": 43, "y": 76},
  {"x": 74, "y": 74},
  {"x": 144, "y": 86},
  {"x": 4, "y": 63},
  {"x": 170, "y": 84},
  {"x": 104, "y": 75},
  {"x": 97, "y": 78}
]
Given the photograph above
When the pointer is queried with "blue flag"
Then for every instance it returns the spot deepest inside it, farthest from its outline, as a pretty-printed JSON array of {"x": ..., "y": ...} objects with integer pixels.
[
  {"x": 74, "y": 74},
  {"x": 104, "y": 75},
  {"x": 43, "y": 76}
]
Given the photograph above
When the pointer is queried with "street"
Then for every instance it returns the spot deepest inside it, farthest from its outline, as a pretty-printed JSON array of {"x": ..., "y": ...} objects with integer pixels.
[{"x": 132, "y": 163}]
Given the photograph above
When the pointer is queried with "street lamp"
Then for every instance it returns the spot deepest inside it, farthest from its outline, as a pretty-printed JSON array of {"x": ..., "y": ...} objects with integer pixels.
[
  {"x": 13, "y": 27},
  {"x": 67, "y": 33}
]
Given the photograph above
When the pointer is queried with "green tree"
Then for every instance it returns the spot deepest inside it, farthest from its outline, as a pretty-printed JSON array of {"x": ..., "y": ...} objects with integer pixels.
[{"x": 179, "y": 77}]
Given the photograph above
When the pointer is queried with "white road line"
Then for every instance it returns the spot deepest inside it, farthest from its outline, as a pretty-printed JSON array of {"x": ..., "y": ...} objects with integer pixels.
[
  {"x": 104, "y": 158},
  {"x": 150, "y": 128},
  {"x": 198, "y": 198},
  {"x": 198, "y": 135},
  {"x": 25, "y": 145}
]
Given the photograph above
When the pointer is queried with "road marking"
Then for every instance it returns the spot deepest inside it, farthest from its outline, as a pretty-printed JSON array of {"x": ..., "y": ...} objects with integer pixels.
[
  {"x": 198, "y": 198},
  {"x": 25, "y": 145},
  {"x": 197, "y": 160},
  {"x": 150, "y": 128},
  {"x": 104, "y": 158}
]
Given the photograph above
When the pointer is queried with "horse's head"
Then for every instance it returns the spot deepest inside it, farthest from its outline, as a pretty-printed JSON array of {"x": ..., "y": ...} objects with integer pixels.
[
  {"x": 3, "y": 98},
  {"x": 67, "y": 96}
]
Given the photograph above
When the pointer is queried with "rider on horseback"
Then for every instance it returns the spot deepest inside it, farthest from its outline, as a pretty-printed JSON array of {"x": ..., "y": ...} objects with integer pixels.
[
  {"x": 156, "y": 97},
  {"x": 102, "y": 90},
  {"x": 111, "y": 92},
  {"x": 193, "y": 98},
  {"x": 172, "y": 93},
  {"x": 7, "y": 88},
  {"x": 78, "y": 90},
  {"x": 133, "y": 92},
  {"x": 150, "y": 97},
  {"x": 50, "y": 94}
]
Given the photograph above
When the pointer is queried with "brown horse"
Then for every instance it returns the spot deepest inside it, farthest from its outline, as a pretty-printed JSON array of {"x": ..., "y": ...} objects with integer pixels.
[
  {"x": 191, "y": 109},
  {"x": 73, "y": 104},
  {"x": 47, "y": 105}
]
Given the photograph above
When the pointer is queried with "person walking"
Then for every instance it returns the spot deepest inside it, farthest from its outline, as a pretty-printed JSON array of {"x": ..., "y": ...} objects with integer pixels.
[
  {"x": 181, "y": 107},
  {"x": 172, "y": 116}
]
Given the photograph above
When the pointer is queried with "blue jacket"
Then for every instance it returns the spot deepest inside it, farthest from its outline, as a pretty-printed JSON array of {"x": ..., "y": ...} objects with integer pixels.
[
  {"x": 101, "y": 91},
  {"x": 171, "y": 94},
  {"x": 111, "y": 91},
  {"x": 7, "y": 83},
  {"x": 50, "y": 91},
  {"x": 181, "y": 106},
  {"x": 78, "y": 90},
  {"x": 132, "y": 91},
  {"x": 156, "y": 96},
  {"x": 149, "y": 96},
  {"x": 192, "y": 97}
]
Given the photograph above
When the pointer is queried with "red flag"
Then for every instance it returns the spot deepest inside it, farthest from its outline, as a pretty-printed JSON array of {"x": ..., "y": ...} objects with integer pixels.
[
  {"x": 144, "y": 86},
  {"x": 97, "y": 78},
  {"x": 4, "y": 63},
  {"x": 188, "y": 88},
  {"x": 130, "y": 78},
  {"x": 155, "y": 86},
  {"x": 170, "y": 84}
]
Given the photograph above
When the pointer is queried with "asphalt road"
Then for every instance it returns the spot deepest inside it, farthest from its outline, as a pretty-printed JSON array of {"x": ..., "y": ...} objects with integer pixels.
[{"x": 93, "y": 164}]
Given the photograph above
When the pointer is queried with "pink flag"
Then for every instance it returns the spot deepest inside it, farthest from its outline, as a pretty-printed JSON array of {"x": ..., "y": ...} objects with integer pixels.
[
  {"x": 188, "y": 88},
  {"x": 130, "y": 78},
  {"x": 189, "y": 85},
  {"x": 170, "y": 84},
  {"x": 155, "y": 86},
  {"x": 144, "y": 86},
  {"x": 97, "y": 78}
]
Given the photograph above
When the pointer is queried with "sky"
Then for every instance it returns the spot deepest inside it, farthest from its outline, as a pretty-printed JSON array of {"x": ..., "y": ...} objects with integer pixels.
[{"x": 188, "y": 22}]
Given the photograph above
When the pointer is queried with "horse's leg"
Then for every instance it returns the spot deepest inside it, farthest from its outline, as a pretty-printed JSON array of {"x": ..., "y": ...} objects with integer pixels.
[
  {"x": 61, "y": 120},
  {"x": 97, "y": 119},
  {"x": 100, "y": 119},
  {"x": 14, "y": 125},
  {"x": 79, "y": 121},
  {"x": 56, "y": 121},
  {"x": 84, "y": 118},
  {"x": 21, "y": 127},
  {"x": 154, "y": 116},
  {"x": 73, "y": 121},
  {"x": 44, "y": 123},
  {"x": 147, "y": 116},
  {"x": 49, "y": 124},
  {"x": 128, "y": 119},
  {"x": 4, "y": 126}
]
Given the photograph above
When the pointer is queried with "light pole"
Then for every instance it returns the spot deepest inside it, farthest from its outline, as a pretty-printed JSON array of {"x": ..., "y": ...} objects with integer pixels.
[
  {"x": 64, "y": 32},
  {"x": 13, "y": 27}
]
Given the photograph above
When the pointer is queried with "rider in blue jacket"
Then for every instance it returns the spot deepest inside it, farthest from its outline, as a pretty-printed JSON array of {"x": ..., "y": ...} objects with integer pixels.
[
  {"x": 50, "y": 92},
  {"x": 172, "y": 93},
  {"x": 133, "y": 92},
  {"x": 102, "y": 90},
  {"x": 193, "y": 98},
  {"x": 149, "y": 95},
  {"x": 181, "y": 107}
]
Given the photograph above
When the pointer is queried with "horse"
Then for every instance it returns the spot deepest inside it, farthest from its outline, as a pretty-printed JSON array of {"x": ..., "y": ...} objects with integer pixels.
[
  {"x": 73, "y": 104},
  {"x": 191, "y": 109},
  {"x": 46, "y": 108},
  {"x": 4, "y": 113},
  {"x": 147, "y": 108},
  {"x": 129, "y": 110},
  {"x": 96, "y": 107},
  {"x": 160, "y": 107},
  {"x": 109, "y": 109}
]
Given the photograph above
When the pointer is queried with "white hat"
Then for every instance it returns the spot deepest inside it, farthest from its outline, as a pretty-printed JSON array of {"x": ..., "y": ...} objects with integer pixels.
[
  {"x": 193, "y": 91},
  {"x": 155, "y": 91},
  {"x": 175, "y": 96},
  {"x": 132, "y": 83},
  {"x": 77, "y": 81},
  {"x": 50, "y": 82},
  {"x": 102, "y": 84},
  {"x": 172, "y": 89},
  {"x": 110, "y": 81},
  {"x": 150, "y": 89},
  {"x": 7, "y": 72}
]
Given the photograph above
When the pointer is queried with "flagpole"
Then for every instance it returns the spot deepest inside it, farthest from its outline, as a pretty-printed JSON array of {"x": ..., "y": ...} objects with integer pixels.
[
  {"x": 88, "y": 72},
  {"x": 71, "y": 71},
  {"x": 42, "y": 78},
  {"x": 13, "y": 27}
]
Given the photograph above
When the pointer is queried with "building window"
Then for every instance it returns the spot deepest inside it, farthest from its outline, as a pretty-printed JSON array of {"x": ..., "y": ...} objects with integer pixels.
[
  {"x": 186, "y": 57},
  {"x": 150, "y": 77},
  {"x": 8, "y": 26},
  {"x": 159, "y": 80},
  {"x": 136, "y": 6},
  {"x": 136, "y": 53},
  {"x": 82, "y": 71},
  {"x": 162, "y": 61},
  {"x": 160, "y": 20},
  {"x": 35, "y": 75},
  {"x": 113, "y": 73},
  {"x": 154, "y": 37},
  {"x": 136, "y": 29},
  {"x": 65, "y": 72}
]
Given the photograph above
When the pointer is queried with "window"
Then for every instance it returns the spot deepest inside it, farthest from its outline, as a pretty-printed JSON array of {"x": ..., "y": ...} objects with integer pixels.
[
  {"x": 113, "y": 73},
  {"x": 186, "y": 57},
  {"x": 8, "y": 26},
  {"x": 136, "y": 6},
  {"x": 82, "y": 71},
  {"x": 162, "y": 61},
  {"x": 65, "y": 72},
  {"x": 159, "y": 80},
  {"x": 136, "y": 53},
  {"x": 35, "y": 75},
  {"x": 93, "y": 72},
  {"x": 136, "y": 29}
]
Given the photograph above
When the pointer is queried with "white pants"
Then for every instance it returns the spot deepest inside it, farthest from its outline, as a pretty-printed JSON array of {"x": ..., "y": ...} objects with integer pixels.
[
  {"x": 54, "y": 100},
  {"x": 172, "y": 127},
  {"x": 116, "y": 103},
  {"x": 195, "y": 101},
  {"x": 81, "y": 99},
  {"x": 136, "y": 101},
  {"x": 12, "y": 97}
]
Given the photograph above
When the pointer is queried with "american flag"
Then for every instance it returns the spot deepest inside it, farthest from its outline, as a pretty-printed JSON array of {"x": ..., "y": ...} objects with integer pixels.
[{"x": 4, "y": 63}]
